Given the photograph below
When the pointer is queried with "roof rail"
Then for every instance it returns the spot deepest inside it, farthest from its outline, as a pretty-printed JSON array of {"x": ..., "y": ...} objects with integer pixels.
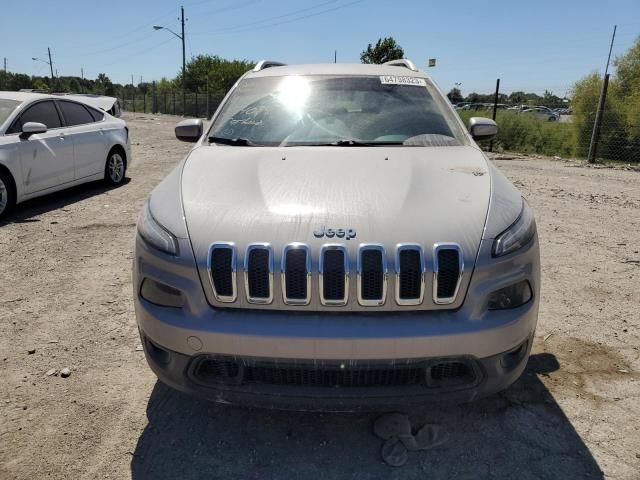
[
  {"x": 402, "y": 62},
  {"x": 262, "y": 64}
]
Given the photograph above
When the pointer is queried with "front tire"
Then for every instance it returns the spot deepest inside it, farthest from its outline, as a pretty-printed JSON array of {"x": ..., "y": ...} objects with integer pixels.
[
  {"x": 115, "y": 167},
  {"x": 7, "y": 195}
]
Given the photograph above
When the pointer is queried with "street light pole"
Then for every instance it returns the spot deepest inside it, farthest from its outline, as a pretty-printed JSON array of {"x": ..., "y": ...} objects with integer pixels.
[
  {"x": 184, "y": 103},
  {"x": 184, "y": 60},
  {"x": 50, "y": 62}
]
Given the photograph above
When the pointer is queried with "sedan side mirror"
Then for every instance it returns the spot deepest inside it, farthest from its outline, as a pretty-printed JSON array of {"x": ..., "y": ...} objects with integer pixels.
[
  {"x": 482, "y": 128},
  {"x": 30, "y": 128},
  {"x": 189, "y": 130}
]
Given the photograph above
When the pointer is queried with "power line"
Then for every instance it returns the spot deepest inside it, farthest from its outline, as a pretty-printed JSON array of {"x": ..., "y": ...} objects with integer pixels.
[
  {"x": 270, "y": 19},
  {"x": 138, "y": 53},
  {"x": 235, "y": 6}
]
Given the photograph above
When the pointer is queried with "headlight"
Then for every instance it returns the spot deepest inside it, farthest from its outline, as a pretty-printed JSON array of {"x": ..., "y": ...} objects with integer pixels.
[
  {"x": 517, "y": 235},
  {"x": 155, "y": 234}
]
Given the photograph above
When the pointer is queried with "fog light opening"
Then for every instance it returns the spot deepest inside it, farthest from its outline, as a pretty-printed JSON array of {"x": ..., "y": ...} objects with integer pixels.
[
  {"x": 159, "y": 355},
  {"x": 161, "y": 294},
  {"x": 512, "y": 296},
  {"x": 514, "y": 357}
]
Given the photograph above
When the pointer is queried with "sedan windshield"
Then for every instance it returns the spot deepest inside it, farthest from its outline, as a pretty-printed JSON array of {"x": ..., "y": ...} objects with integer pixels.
[
  {"x": 6, "y": 107},
  {"x": 335, "y": 111}
]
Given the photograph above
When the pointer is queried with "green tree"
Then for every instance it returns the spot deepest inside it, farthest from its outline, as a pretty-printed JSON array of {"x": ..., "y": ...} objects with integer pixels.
[
  {"x": 627, "y": 88},
  {"x": 220, "y": 74},
  {"x": 104, "y": 85},
  {"x": 455, "y": 95},
  {"x": 40, "y": 84},
  {"x": 386, "y": 49}
]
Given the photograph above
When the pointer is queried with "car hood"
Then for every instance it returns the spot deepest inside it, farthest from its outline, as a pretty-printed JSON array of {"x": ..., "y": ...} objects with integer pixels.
[{"x": 387, "y": 195}]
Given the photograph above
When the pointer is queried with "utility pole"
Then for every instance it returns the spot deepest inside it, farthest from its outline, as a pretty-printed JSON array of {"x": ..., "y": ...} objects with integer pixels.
[
  {"x": 132, "y": 80},
  {"x": 184, "y": 78},
  {"x": 5, "y": 64},
  {"x": 50, "y": 64},
  {"x": 335, "y": 56},
  {"x": 593, "y": 145}
]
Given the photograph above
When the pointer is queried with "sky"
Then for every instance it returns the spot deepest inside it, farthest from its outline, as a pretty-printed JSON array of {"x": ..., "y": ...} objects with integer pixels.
[{"x": 530, "y": 46}]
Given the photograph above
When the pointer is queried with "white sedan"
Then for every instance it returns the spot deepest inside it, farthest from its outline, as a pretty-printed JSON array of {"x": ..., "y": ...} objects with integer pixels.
[{"x": 50, "y": 143}]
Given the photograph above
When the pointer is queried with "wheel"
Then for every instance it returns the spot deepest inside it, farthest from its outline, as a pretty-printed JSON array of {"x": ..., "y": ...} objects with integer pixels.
[
  {"x": 7, "y": 195},
  {"x": 115, "y": 167}
]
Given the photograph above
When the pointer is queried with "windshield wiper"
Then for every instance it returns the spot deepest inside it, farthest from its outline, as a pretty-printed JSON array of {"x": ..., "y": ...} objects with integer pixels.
[
  {"x": 235, "y": 142},
  {"x": 345, "y": 143}
]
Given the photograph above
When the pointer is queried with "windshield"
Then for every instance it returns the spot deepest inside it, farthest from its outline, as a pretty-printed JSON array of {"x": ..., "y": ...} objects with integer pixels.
[
  {"x": 335, "y": 110},
  {"x": 6, "y": 107}
]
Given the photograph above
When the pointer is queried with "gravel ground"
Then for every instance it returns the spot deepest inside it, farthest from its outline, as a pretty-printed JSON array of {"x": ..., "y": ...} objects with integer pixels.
[{"x": 65, "y": 302}]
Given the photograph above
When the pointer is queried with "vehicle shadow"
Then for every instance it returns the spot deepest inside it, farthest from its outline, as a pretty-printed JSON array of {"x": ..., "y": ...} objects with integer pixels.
[
  {"x": 25, "y": 212},
  {"x": 521, "y": 433}
]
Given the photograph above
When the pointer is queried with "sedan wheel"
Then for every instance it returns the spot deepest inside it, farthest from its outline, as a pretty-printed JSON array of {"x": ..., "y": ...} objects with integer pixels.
[
  {"x": 7, "y": 195},
  {"x": 115, "y": 168},
  {"x": 4, "y": 197}
]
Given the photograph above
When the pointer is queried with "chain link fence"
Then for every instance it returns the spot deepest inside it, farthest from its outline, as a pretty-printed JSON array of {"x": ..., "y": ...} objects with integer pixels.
[
  {"x": 564, "y": 127},
  {"x": 192, "y": 104}
]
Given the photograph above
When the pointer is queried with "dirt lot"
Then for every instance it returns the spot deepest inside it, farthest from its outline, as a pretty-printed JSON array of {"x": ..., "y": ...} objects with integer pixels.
[{"x": 65, "y": 292}]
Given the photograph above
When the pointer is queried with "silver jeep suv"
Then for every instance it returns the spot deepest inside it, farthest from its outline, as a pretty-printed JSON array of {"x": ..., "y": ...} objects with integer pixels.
[{"x": 336, "y": 240}]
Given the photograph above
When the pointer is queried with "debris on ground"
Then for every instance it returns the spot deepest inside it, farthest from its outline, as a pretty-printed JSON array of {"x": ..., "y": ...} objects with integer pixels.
[
  {"x": 396, "y": 430},
  {"x": 65, "y": 372},
  {"x": 51, "y": 372}
]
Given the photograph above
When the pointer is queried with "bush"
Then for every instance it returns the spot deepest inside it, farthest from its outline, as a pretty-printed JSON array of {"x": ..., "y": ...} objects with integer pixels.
[{"x": 527, "y": 134}]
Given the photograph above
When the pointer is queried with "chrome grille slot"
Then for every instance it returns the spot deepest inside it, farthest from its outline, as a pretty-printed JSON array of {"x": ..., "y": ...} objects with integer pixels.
[
  {"x": 334, "y": 275},
  {"x": 296, "y": 274},
  {"x": 372, "y": 275},
  {"x": 410, "y": 269},
  {"x": 448, "y": 267},
  {"x": 222, "y": 271},
  {"x": 258, "y": 268}
]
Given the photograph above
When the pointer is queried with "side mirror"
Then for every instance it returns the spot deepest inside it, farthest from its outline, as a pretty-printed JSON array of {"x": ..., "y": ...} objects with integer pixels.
[
  {"x": 30, "y": 128},
  {"x": 482, "y": 128},
  {"x": 189, "y": 130}
]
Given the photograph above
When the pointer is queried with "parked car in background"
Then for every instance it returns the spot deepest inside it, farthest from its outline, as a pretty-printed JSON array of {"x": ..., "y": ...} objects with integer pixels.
[
  {"x": 48, "y": 143},
  {"x": 542, "y": 113},
  {"x": 336, "y": 240},
  {"x": 477, "y": 106},
  {"x": 111, "y": 105}
]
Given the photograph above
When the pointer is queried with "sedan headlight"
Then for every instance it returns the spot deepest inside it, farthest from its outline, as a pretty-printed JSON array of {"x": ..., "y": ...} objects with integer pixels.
[
  {"x": 517, "y": 235},
  {"x": 155, "y": 234}
]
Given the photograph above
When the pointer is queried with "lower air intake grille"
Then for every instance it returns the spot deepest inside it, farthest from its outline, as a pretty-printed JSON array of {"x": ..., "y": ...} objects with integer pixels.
[
  {"x": 227, "y": 371},
  {"x": 258, "y": 273},
  {"x": 410, "y": 274},
  {"x": 450, "y": 372},
  {"x": 333, "y": 273},
  {"x": 222, "y": 271},
  {"x": 233, "y": 371},
  {"x": 448, "y": 272}
]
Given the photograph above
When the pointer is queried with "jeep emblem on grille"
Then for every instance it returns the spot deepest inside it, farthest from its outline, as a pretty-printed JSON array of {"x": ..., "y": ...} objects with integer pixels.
[{"x": 347, "y": 233}]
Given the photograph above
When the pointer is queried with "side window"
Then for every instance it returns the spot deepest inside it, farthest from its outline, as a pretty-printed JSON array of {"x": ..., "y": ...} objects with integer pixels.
[
  {"x": 42, "y": 112},
  {"x": 96, "y": 114},
  {"x": 16, "y": 126},
  {"x": 75, "y": 114}
]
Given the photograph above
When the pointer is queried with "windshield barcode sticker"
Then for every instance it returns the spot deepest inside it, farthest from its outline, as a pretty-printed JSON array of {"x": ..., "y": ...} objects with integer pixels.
[{"x": 398, "y": 80}]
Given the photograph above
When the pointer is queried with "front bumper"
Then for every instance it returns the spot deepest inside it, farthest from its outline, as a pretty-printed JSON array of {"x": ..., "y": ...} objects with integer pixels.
[
  {"x": 490, "y": 375},
  {"x": 472, "y": 333}
]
